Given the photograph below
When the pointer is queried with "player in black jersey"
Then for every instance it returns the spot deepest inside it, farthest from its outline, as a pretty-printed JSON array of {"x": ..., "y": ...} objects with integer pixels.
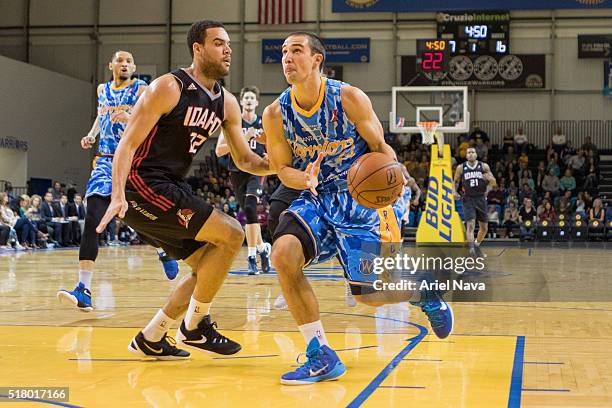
[
  {"x": 247, "y": 187},
  {"x": 474, "y": 176},
  {"x": 169, "y": 125}
]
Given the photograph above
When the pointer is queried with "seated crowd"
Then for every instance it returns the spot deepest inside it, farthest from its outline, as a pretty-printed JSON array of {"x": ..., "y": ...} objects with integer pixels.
[{"x": 564, "y": 182}]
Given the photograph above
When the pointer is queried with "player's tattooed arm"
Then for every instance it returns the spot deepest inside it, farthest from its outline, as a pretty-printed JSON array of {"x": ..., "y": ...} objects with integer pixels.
[
  {"x": 358, "y": 108},
  {"x": 160, "y": 98},
  {"x": 281, "y": 156},
  {"x": 244, "y": 158},
  {"x": 488, "y": 175}
]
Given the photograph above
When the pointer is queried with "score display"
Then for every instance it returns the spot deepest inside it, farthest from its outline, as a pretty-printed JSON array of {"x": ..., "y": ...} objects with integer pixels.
[
  {"x": 478, "y": 32},
  {"x": 432, "y": 57}
]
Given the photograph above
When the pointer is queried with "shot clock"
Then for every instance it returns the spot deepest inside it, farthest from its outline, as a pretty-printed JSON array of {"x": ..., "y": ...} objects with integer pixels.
[{"x": 432, "y": 57}]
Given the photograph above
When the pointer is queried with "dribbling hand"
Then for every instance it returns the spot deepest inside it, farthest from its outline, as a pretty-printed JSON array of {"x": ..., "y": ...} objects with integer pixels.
[
  {"x": 311, "y": 174},
  {"x": 116, "y": 207},
  {"x": 88, "y": 141}
]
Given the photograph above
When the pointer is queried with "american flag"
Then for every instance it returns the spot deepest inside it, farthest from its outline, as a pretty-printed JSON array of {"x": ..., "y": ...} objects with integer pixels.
[{"x": 280, "y": 11}]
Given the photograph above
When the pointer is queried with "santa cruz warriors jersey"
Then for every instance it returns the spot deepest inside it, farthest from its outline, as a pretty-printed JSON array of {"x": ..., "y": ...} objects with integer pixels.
[
  {"x": 168, "y": 151},
  {"x": 325, "y": 128},
  {"x": 256, "y": 147},
  {"x": 110, "y": 101}
]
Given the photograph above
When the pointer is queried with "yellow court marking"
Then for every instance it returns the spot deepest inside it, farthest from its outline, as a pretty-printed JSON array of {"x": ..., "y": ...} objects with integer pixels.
[{"x": 95, "y": 364}]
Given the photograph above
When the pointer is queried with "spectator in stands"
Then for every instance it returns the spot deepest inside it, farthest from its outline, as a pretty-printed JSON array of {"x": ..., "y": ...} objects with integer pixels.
[
  {"x": 56, "y": 191},
  {"x": 591, "y": 181},
  {"x": 521, "y": 144},
  {"x": 9, "y": 219},
  {"x": 508, "y": 141},
  {"x": 51, "y": 218},
  {"x": 77, "y": 209},
  {"x": 548, "y": 213},
  {"x": 499, "y": 170},
  {"x": 228, "y": 210},
  {"x": 482, "y": 150},
  {"x": 478, "y": 133},
  {"x": 464, "y": 144},
  {"x": 523, "y": 160},
  {"x": 13, "y": 201},
  {"x": 495, "y": 197},
  {"x": 539, "y": 178},
  {"x": 580, "y": 207},
  {"x": 576, "y": 163},
  {"x": 554, "y": 166},
  {"x": 551, "y": 182},
  {"x": 493, "y": 219},
  {"x": 609, "y": 213},
  {"x": 564, "y": 209},
  {"x": 525, "y": 178},
  {"x": 589, "y": 145},
  {"x": 558, "y": 141},
  {"x": 566, "y": 200},
  {"x": 512, "y": 198},
  {"x": 568, "y": 152},
  {"x": 568, "y": 182},
  {"x": 510, "y": 156},
  {"x": 588, "y": 199},
  {"x": 597, "y": 212},
  {"x": 512, "y": 188},
  {"x": 526, "y": 194},
  {"x": 511, "y": 218},
  {"x": 527, "y": 213}
]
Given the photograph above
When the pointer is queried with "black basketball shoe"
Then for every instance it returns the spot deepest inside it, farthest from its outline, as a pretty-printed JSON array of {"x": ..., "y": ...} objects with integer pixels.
[
  {"x": 161, "y": 350},
  {"x": 205, "y": 337}
]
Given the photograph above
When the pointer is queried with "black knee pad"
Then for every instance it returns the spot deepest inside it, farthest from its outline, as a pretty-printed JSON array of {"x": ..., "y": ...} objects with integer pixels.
[
  {"x": 289, "y": 225},
  {"x": 250, "y": 209},
  {"x": 276, "y": 209},
  {"x": 96, "y": 207}
]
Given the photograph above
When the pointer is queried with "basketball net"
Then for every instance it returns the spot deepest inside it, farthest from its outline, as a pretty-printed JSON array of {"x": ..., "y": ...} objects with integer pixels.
[{"x": 428, "y": 131}]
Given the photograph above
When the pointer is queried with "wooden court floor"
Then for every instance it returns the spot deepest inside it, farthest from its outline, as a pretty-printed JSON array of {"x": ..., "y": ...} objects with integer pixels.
[{"x": 501, "y": 354}]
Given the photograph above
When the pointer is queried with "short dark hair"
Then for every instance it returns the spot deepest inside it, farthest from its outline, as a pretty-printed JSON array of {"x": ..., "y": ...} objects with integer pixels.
[
  {"x": 117, "y": 52},
  {"x": 197, "y": 32},
  {"x": 250, "y": 88},
  {"x": 314, "y": 42}
]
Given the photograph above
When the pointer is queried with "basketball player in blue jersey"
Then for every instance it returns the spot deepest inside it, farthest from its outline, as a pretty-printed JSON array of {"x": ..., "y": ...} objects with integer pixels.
[
  {"x": 116, "y": 99},
  {"x": 247, "y": 187},
  {"x": 315, "y": 131}
]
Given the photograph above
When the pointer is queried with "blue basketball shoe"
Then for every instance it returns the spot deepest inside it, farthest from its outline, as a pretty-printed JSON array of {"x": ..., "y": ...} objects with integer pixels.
[
  {"x": 322, "y": 364},
  {"x": 171, "y": 267},
  {"x": 252, "y": 262},
  {"x": 438, "y": 312},
  {"x": 79, "y": 297}
]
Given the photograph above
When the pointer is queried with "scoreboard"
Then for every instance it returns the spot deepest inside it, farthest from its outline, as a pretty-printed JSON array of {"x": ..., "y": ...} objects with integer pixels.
[
  {"x": 433, "y": 57},
  {"x": 475, "y": 33}
]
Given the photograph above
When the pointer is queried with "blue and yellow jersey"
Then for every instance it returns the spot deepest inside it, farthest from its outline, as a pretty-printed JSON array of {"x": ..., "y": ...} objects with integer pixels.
[
  {"x": 112, "y": 100},
  {"x": 326, "y": 128}
]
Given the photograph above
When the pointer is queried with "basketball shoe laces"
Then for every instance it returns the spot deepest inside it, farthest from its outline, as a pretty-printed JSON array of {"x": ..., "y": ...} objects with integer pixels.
[
  {"x": 212, "y": 334},
  {"x": 312, "y": 362},
  {"x": 169, "y": 344},
  {"x": 432, "y": 310}
]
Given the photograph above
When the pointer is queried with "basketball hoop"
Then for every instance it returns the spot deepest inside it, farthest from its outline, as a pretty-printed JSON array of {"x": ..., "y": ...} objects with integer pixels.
[{"x": 428, "y": 129}]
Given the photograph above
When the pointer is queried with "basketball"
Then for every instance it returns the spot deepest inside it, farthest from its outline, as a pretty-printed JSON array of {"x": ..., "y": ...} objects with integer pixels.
[{"x": 375, "y": 180}]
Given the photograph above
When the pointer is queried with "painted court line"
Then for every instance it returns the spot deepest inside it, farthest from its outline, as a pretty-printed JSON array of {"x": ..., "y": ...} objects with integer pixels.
[
  {"x": 414, "y": 387},
  {"x": 541, "y": 362},
  {"x": 516, "y": 383},
  {"x": 545, "y": 390},
  {"x": 231, "y": 358}
]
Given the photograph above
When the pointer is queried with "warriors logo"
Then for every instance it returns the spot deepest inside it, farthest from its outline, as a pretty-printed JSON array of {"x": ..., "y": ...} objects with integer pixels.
[{"x": 184, "y": 216}]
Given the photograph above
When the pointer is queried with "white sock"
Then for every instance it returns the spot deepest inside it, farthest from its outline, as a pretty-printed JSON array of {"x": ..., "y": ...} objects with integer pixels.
[
  {"x": 85, "y": 278},
  {"x": 195, "y": 313},
  {"x": 314, "y": 329},
  {"x": 252, "y": 251},
  {"x": 158, "y": 326},
  {"x": 261, "y": 247}
]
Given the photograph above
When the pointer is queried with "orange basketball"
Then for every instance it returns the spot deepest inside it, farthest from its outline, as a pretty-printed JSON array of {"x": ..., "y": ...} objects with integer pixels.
[{"x": 375, "y": 180}]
